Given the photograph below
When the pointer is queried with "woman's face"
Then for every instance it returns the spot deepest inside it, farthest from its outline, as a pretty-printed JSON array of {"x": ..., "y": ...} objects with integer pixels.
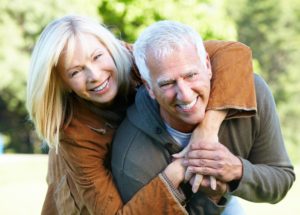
[{"x": 90, "y": 72}]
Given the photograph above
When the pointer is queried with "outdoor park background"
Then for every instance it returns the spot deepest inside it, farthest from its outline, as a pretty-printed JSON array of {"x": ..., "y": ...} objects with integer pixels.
[{"x": 270, "y": 27}]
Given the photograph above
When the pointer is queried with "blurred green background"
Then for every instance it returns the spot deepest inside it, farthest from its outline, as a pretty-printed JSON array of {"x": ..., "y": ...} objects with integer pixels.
[{"x": 270, "y": 27}]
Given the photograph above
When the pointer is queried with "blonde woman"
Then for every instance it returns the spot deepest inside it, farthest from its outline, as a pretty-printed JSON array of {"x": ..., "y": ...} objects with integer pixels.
[{"x": 80, "y": 83}]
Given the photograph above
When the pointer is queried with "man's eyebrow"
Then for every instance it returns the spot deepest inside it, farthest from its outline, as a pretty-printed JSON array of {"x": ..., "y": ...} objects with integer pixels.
[{"x": 165, "y": 81}]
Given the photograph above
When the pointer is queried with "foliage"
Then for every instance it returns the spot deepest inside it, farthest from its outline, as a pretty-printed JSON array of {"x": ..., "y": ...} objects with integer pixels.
[
  {"x": 20, "y": 24},
  {"x": 269, "y": 27},
  {"x": 127, "y": 18}
]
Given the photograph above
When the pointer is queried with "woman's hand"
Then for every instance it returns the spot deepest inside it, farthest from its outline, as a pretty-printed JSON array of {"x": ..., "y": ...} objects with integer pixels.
[
  {"x": 175, "y": 172},
  {"x": 206, "y": 131}
]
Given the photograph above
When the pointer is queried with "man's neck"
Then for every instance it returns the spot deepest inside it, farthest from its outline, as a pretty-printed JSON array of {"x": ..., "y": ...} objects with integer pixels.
[
  {"x": 182, "y": 138},
  {"x": 178, "y": 126}
]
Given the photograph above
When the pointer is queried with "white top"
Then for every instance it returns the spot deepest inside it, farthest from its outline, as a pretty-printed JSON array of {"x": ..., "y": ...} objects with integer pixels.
[{"x": 181, "y": 138}]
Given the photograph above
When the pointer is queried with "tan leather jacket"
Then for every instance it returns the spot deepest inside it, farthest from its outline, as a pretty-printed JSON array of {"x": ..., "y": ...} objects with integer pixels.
[{"x": 79, "y": 175}]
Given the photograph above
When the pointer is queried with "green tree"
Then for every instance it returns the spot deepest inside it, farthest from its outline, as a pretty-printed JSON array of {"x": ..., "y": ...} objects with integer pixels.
[
  {"x": 20, "y": 24},
  {"x": 270, "y": 28},
  {"x": 127, "y": 18},
  {"x": 22, "y": 21}
]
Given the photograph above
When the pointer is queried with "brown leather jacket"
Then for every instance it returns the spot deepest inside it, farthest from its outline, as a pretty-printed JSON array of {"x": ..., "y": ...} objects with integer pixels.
[{"x": 79, "y": 174}]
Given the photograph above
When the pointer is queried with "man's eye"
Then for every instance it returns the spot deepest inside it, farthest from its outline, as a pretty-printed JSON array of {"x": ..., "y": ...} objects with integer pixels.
[
  {"x": 192, "y": 75},
  {"x": 165, "y": 85}
]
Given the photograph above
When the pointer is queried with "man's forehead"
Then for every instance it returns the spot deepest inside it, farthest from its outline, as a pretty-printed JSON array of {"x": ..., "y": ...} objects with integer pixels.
[{"x": 173, "y": 73}]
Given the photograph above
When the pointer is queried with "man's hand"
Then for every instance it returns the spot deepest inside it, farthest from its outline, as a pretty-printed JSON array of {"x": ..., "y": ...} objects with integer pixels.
[{"x": 214, "y": 160}]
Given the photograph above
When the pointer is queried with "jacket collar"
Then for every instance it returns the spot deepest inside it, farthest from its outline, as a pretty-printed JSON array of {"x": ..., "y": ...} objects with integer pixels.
[{"x": 145, "y": 115}]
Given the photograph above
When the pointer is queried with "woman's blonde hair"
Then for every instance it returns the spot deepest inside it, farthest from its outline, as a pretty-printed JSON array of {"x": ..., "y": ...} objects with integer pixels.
[{"x": 46, "y": 96}]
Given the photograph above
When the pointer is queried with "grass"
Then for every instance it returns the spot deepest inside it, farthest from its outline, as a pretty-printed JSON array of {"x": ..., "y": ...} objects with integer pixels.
[
  {"x": 22, "y": 184},
  {"x": 23, "y": 188}
]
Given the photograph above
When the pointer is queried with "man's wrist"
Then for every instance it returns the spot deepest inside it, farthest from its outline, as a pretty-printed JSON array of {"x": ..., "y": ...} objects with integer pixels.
[{"x": 238, "y": 170}]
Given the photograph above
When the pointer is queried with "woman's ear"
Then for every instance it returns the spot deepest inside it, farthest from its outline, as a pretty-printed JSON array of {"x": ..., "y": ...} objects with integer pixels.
[{"x": 149, "y": 89}]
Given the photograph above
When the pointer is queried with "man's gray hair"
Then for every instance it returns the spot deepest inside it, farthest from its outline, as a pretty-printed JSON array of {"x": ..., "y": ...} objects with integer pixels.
[{"x": 161, "y": 39}]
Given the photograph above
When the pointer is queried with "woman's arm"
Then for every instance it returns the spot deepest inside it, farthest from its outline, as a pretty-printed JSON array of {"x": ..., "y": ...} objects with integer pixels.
[
  {"x": 232, "y": 93},
  {"x": 232, "y": 87},
  {"x": 208, "y": 129},
  {"x": 86, "y": 153},
  {"x": 232, "y": 84}
]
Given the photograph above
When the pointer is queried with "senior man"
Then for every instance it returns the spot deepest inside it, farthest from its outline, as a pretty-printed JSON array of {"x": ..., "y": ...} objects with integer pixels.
[{"x": 251, "y": 159}]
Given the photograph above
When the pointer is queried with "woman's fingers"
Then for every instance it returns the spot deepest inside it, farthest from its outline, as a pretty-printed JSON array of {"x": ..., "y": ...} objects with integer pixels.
[{"x": 197, "y": 183}]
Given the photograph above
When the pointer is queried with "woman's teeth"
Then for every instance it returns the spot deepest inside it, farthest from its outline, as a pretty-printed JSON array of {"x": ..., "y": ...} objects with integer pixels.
[{"x": 102, "y": 86}]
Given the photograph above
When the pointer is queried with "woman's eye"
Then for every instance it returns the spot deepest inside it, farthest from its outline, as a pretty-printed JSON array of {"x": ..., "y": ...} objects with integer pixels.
[
  {"x": 97, "y": 56},
  {"x": 73, "y": 73}
]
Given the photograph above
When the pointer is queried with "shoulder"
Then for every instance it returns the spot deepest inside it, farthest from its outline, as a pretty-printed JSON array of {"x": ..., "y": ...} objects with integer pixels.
[
  {"x": 260, "y": 84},
  {"x": 264, "y": 96},
  {"x": 217, "y": 47},
  {"x": 267, "y": 118},
  {"x": 124, "y": 136},
  {"x": 124, "y": 142}
]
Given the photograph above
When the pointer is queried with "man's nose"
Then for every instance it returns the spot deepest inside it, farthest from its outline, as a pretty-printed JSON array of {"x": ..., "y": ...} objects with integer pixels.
[{"x": 184, "y": 91}]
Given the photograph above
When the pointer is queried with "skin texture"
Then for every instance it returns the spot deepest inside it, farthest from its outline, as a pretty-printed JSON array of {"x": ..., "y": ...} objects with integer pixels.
[
  {"x": 215, "y": 160},
  {"x": 91, "y": 72},
  {"x": 206, "y": 131},
  {"x": 181, "y": 85}
]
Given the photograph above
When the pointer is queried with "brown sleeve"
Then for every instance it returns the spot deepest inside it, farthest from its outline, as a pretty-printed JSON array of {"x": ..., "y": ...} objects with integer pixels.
[
  {"x": 86, "y": 152},
  {"x": 232, "y": 85},
  {"x": 153, "y": 198}
]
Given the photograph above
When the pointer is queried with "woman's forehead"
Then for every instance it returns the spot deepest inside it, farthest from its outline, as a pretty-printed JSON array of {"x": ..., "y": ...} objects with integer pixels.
[{"x": 80, "y": 46}]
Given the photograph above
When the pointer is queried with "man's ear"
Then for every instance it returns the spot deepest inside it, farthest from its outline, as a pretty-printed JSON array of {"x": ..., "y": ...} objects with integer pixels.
[
  {"x": 149, "y": 89},
  {"x": 208, "y": 65}
]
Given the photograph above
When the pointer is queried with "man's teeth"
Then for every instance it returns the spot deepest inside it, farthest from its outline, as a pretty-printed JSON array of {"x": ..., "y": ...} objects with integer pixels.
[
  {"x": 188, "y": 106},
  {"x": 102, "y": 86}
]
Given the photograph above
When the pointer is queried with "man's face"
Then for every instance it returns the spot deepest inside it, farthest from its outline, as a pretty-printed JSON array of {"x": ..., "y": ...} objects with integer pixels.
[{"x": 181, "y": 86}]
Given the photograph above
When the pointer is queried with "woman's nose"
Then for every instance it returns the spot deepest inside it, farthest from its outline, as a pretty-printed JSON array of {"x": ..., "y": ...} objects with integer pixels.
[{"x": 93, "y": 73}]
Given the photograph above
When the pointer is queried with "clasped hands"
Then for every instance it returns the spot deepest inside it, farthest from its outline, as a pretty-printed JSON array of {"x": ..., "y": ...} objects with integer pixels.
[{"x": 209, "y": 167}]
